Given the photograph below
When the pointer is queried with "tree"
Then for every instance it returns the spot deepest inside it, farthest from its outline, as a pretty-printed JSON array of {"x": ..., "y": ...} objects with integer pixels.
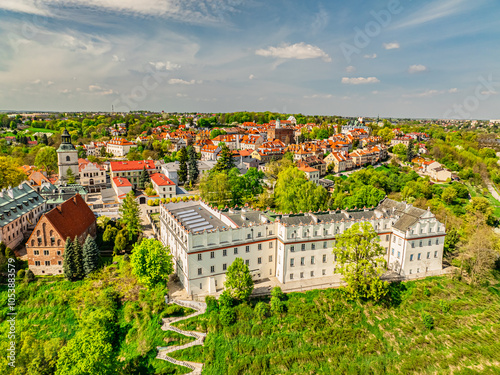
[
  {"x": 70, "y": 176},
  {"x": 109, "y": 234},
  {"x": 215, "y": 132},
  {"x": 10, "y": 173},
  {"x": 216, "y": 188},
  {"x": 360, "y": 259},
  {"x": 400, "y": 150},
  {"x": 410, "y": 152},
  {"x": 225, "y": 161},
  {"x": 91, "y": 256},
  {"x": 449, "y": 195},
  {"x": 193, "y": 165},
  {"x": 261, "y": 310},
  {"x": 183, "y": 171},
  {"x": 120, "y": 242},
  {"x": 239, "y": 283},
  {"x": 144, "y": 178},
  {"x": 46, "y": 158},
  {"x": 131, "y": 216},
  {"x": 79, "y": 273},
  {"x": 69, "y": 261},
  {"x": 151, "y": 262}
]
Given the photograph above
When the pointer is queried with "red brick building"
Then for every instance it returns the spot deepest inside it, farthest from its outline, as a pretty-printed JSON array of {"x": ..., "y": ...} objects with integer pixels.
[{"x": 45, "y": 247}]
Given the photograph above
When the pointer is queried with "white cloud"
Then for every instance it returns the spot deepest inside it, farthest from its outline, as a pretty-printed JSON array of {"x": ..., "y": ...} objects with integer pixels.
[
  {"x": 115, "y": 58},
  {"x": 417, "y": 69},
  {"x": 98, "y": 90},
  {"x": 359, "y": 80},
  {"x": 36, "y": 81},
  {"x": 298, "y": 51},
  {"x": 178, "y": 81},
  {"x": 453, "y": 90},
  {"x": 165, "y": 66},
  {"x": 424, "y": 94},
  {"x": 436, "y": 10},
  {"x": 374, "y": 56},
  {"x": 50, "y": 83},
  {"x": 489, "y": 92},
  {"x": 350, "y": 69},
  {"x": 179, "y": 95},
  {"x": 393, "y": 45},
  {"x": 251, "y": 76},
  {"x": 320, "y": 21},
  {"x": 318, "y": 96}
]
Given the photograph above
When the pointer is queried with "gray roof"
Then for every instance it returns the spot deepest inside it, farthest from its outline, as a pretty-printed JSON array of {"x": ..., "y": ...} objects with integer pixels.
[
  {"x": 194, "y": 217},
  {"x": 408, "y": 215},
  {"x": 18, "y": 201}
]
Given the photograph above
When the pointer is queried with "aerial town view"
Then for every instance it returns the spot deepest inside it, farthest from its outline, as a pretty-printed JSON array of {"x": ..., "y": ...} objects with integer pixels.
[{"x": 249, "y": 187}]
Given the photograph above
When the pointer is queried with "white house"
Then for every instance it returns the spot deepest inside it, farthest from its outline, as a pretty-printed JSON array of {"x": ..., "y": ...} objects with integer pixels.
[
  {"x": 122, "y": 186},
  {"x": 163, "y": 185},
  {"x": 119, "y": 147}
]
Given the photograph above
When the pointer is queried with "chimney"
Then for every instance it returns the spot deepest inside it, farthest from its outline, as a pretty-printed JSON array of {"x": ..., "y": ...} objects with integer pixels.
[{"x": 74, "y": 200}]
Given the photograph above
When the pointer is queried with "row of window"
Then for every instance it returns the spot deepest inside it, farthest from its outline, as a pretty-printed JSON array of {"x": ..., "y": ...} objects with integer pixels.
[
  {"x": 303, "y": 260},
  {"x": 419, "y": 255},
  {"x": 224, "y": 265},
  {"x": 45, "y": 252},
  {"x": 303, "y": 247},
  {"x": 420, "y": 244},
  {"x": 235, "y": 251},
  {"x": 47, "y": 263},
  {"x": 323, "y": 273}
]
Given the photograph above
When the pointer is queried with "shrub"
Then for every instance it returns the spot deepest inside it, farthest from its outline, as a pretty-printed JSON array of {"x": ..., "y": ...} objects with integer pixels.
[
  {"x": 150, "y": 203},
  {"x": 162, "y": 200},
  {"x": 261, "y": 310},
  {"x": 196, "y": 197},
  {"x": 126, "y": 258},
  {"x": 184, "y": 199},
  {"x": 29, "y": 276},
  {"x": 227, "y": 316},
  {"x": 278, "y": 293},
  {"x": 190, "y": 197},
  {"x": 445, "y": 306},
  {"x": 277, "y": 306},
  {"x": 225, "y": 300},
  {"x": 167, "y": 200},
  {"x": 212, "y": 304},
  {"x": 428, "y": 320},
  {"x": 20, "y": 274},
  {"x": 427, "y": 292}
]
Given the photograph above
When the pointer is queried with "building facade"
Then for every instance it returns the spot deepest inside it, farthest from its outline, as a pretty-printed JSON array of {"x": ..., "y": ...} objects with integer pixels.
[
  {"x": 67, "y": 157},
  {"x": 132, "y": 169},
  {"x": 205, "y": 241}
]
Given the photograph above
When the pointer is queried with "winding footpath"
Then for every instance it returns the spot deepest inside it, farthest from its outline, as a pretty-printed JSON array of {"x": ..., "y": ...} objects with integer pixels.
[{"x": 200, "y": 308}]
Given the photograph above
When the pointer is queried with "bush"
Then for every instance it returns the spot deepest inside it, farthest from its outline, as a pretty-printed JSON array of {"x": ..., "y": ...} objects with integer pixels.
[
  {"x": 212, "y": 304},
  {"x": 167, "y": 200},
  {"x": 227, "y": 316},
  {"x": 150, "y": 203},
  {"x": 126, "y": 258},
  {"x": 190, "y": 197},
  {"x": 29, "y": 276},
  {"x": 162, "y": 200},
  {"x": 184, "y": 199},
  {"x": 278, "y": 293},
  {"x": 428, "y": 320},
  {"x": 20, "y": 274},
  {"x": 261, "y": 310},
  {"x": 277, "y": 306},
  {"x": 225, "y": 300},
  {"x": 427, "y": 292},
  {"x": 196, "y": 197},
  {"x": 445, "y": 306}
]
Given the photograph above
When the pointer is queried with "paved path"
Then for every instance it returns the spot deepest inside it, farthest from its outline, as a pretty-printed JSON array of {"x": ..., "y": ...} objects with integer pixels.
[
  {"x": 200, "y": 308},
  {"x": 493, "y": 191}
]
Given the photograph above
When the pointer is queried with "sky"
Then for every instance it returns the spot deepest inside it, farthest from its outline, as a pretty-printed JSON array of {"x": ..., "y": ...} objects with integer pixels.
[{"x": 393, "y": 58}]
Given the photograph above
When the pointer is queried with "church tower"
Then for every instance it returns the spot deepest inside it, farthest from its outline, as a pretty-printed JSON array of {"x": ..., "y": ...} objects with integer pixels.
[{"x": 67, "y": 157}]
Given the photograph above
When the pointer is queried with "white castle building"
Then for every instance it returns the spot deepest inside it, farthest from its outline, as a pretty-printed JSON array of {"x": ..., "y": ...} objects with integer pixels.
[{"x": 204, "y": 241}]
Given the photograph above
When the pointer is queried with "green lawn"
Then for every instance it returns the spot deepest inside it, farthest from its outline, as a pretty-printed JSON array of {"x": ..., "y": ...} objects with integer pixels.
[{"x": 322, "y": 333}]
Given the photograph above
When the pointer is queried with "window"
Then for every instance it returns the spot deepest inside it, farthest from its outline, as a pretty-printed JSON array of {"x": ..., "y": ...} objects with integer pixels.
[
  {"x": 387, "y": 237},
  {"x": 312, "y": 260},
  {"x": 419, "y": 256},
  {"x": 236, "y": 250},
  {"x": 291, "y": 276},
  {"x": 323, "y": 272},
  {"x": 435, "y": 254},
  {"x": 420, "y": 244},
  {"x": 259, "y": 234},
  {"x": 47, "y": 262},
  {"x": 393, "y": 239},
  {"x": 324, "y": 245},
  {"x": 45, "y": 252},
  {"x": 201, "y": 286},
  {"x": 428, "y": 255},
  {"x": 392, "y": 252},
  {"x": 437, "y": 241},
  {"x": 270, "y": 258},
  {"x": 270, "y": 245},
  {"x": 418, "y": 270},
  {"x": 259, "y": 260},
  {"x": 37, "y": 263},
  {"x": 247, "y": 249},
  {"x": 302, "y": 275},
  {"x": 212, "y": 269},
  {"x": 224, "y": 253},
  {"x": 199, "y": 256},
  {"x": 313, "y": 246},
  {"x": 36, "y": 252},
  {"x": 312, "y": 273},
  {"x": 302, "y": 261},
  {"x": 52, "y": 241},
  {"x": 212, "y": 254},
  {"x": 303, "y": 246},
  {"x": 292, "y": 262},
  {"x": 412, "y": 244},
  {"x": 200, "y": 271},
  {"x": 259, "y": 247},
  {"x": 59, "y": 263},
  {"x": 224, "y": 266},
  {"x": 247, "y": 262},
  {"x": 324, "y": 258},
  {"x": 411, "y": 257},
  {"x": 58, "y": 252},
  {"x": 410, "y": 271},
  {"x": 430, "y": 242},
  {"x": 292, "y": 249},
  {"x": 399, "y": 254}
]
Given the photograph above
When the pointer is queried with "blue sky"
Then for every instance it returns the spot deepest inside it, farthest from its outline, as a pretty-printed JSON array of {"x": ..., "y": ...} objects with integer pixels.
[{"x": 429, "y": 58}]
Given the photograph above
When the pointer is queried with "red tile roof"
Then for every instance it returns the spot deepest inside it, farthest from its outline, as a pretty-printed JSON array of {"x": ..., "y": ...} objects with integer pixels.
[
  {"x": 121, "y": 182},
  {"x": 121, "y": 142},
  {"x": 117, "y": 166},
  {"x": 71, "y": 218},
  {"x": 161, "y": 180}
]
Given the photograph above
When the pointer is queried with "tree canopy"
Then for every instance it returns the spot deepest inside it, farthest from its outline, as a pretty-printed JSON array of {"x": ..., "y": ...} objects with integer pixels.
[
  {"x": 151, "y": 262},
  {"x": 239, "y": 283}
]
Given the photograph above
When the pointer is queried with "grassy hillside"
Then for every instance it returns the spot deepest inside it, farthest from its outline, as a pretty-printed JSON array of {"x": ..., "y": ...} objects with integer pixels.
[
  {"x": 322, "y": 333},
  {"x": 49, "y": 316}
]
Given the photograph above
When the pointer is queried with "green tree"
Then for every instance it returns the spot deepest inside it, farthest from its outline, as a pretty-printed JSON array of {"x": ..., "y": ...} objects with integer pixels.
[
  {"x": 360, "y": 259},
  {"x": 410, "y": 152},
  {"x": 182, "y": 173},
  {"x": 121, "y": 242},
  {"x": 131, "y": 216},
  {"x": 144, "y": 178},
  {"x": 151, "y": 262},
  {"x": 225, "y": 161},
  {"x": 193, "y": 165},
  {"x": 261, "y": 310},
  {"x": 46, "y": 158},
  {"x": 70, "y": 176},
  {"x": 215, "y": 132},
  {"x": 109, "y": 234},
  {"x": 239, "y": 283},
  {"x": 10, "y": 173},
  {"x": 69, "y": 261},
  {"x": 216, "y": 188},
  {"x": 80, "y": 273},
  {"x": 91, "y": 256},
  {"x": 449, "y": 195}
]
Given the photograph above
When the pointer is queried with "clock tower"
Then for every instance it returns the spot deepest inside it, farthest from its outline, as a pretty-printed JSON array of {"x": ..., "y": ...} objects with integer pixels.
[{"x": 67, "y": 157}]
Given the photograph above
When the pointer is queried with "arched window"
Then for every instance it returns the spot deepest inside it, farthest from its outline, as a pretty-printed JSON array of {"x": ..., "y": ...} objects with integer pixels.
[
  {"x": 32, "y": 242},
  {"x": 58, "y": 242},
  {"x": 38, "y": 233},
  {"x": 68, "y": 158},
  {"x": 51, "y": 233}
]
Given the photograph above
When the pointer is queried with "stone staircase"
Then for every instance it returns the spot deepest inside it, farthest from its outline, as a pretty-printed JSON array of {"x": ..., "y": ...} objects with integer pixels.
[{"x": 200, "y": 308}]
